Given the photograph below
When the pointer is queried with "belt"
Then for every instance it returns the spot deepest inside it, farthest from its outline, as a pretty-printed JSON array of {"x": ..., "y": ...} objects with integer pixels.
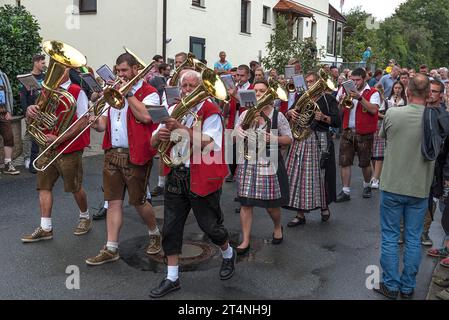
[{"x": 121, "y": 150}]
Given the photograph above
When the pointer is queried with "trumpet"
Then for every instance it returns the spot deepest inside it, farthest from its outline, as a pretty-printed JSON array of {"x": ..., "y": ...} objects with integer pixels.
[{"x": 347, "y": 102}]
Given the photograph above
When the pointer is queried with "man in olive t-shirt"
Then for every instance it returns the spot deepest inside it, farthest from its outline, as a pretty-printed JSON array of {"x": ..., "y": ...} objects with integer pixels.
[{"x": 405, "y": 184}]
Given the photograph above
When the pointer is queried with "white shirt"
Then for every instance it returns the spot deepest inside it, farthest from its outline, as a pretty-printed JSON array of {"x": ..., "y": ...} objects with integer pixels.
[
  {"x": 375, "y": 99},
  {"x": 82, "y": 103},
  {"x": 119, "y": 126},
  {"x": 212, "y": 127}
]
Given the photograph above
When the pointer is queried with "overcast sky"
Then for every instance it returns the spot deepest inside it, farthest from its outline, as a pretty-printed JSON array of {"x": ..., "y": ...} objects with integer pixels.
[{"x": 380, "y": 9}]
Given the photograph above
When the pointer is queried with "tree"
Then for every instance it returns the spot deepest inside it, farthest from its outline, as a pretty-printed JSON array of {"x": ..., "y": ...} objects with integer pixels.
[
  {"x": 19, "y": 42},
  {"x": 282, "y": 47}
]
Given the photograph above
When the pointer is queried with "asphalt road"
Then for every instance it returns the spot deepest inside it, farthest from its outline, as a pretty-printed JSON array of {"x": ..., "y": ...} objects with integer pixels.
[{"x": 315, "y": 261}]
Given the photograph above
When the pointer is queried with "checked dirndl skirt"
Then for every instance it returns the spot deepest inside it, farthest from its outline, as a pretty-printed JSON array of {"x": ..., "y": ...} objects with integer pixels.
[
  {"x": 306, "y": 178},
  {"x": 378, "y": 145}
]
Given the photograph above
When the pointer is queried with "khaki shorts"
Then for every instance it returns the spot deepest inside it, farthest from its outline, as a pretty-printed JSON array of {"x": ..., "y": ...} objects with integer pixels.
[
  {"x": 120, "y": 175},
  {"x": 350, "y": 144},
  {"x": 69, "y": 166}
]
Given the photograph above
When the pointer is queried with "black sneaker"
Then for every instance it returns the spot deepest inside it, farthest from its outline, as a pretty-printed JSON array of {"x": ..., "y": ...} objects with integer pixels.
[
  {"x": 408, "y": 295},
  {"x": 157, "y": 191},
  {"x": 367, "y": 192},
  {"x": 342, "y": 196},
  {"x": 228, "y": 266},
  {"x": 100, "y": 214},
  {"x": 9, "y": 169},
  {"x": 165, "y": 287},
  {"x": 383, "y": 290}
]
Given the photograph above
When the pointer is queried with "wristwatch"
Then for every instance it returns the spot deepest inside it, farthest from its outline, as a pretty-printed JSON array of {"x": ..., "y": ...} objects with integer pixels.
[{"x": 129, "y": 94}]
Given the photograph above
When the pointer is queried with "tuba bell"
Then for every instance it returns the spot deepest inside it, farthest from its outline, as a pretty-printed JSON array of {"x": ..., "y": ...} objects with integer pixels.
[
  {"x": 190, "y": 62},
  {"x": 211, "y": 86},
  {"x": 62, "y": 56}
]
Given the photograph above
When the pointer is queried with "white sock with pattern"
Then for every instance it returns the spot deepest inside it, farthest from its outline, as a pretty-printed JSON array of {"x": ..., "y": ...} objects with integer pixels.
[
  {"x": 84, "y": 215},
  {"x": 154, "y": 232},
  {"x": 112, "y": 246}
]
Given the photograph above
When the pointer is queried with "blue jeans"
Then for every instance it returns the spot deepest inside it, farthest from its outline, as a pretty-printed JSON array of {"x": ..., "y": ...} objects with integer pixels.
[{"x": 412, "y": 210}]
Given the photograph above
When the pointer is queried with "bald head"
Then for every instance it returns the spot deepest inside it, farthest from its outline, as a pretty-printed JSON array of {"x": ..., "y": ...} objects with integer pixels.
[{"x": 418, "y": 87}]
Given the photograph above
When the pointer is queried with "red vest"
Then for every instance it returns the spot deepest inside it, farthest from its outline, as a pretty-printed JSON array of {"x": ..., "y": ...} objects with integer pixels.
[
  {"x": 365, "y": 122},
  {"x": 139, "y": 134},
  {"x": 84, "y": 140},
  {"x": 233, "y": 110},
  {"x": 206, "y": 178},
  {"x": 284, "y": 107}
]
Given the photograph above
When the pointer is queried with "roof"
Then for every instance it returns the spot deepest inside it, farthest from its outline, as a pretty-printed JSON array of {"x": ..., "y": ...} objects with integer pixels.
[
  {"x": 336, "y": 15},
  {"x": 290, "y": 6}
]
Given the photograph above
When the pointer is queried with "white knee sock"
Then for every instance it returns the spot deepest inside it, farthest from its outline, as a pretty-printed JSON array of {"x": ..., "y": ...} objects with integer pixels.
[
  {"x": 172, "y": 273},
  {"x": 46, "y": 224},
  {"x": 227, "y": 254}
]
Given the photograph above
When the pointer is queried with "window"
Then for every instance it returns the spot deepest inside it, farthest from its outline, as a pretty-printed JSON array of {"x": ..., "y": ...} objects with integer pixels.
[
  {"x": 266, "y": 15},
  {"x": 198, "y": 3},
  {"x": 339, "y": 41},
  {"x": 88, "y": 6},
  {"x": 300, "y": 29},
  {"x": 198, "y": 47},
  {"x": 314, "y": 30},
  {"x": 330, "y": 37},
  {"x": 246, "y": 16}
]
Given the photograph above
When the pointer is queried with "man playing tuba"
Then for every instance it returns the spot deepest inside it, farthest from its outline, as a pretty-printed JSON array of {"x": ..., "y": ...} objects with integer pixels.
[
  {"x": 69, "y": 165},
  {"x": 193, "y": 184}
]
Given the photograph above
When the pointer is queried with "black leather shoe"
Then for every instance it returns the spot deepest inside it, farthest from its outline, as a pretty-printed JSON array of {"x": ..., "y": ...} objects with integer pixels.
[
  {"x": 296, "y": 222},
  {"x": 228, "y": 266},
  {"x": 407, "y": 295},
  {"x": 100, "y": 214},
  {"x": 157, "y": 191},
  {"x": 278, "y": 240},
  {"x": 325, "y": 217},
  {"x": 343, "y": 197},
  {"x": 383, "y": 290},
  {"x": 165, "y": 287},
  {"x": 32, "y": 169},
  {"x": 242, "y": 251},
  {"x": 367, "y": 192}
]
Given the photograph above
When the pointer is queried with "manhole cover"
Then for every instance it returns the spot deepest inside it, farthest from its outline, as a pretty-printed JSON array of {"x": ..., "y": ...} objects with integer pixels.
[{"x": 196, "y": 255}]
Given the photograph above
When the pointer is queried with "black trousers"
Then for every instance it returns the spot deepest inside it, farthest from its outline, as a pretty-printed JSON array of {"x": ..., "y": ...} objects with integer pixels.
[{"x": 177, "y": 204}]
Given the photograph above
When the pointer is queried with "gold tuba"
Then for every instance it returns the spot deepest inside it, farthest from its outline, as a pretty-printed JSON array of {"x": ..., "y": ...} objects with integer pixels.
[
  {"x": 62, "y": 56},
  {"x": 113, "y": 97},
  {"x": 211, "y": 86},
  {"x": 275, "y": 91},
  {"x": 190, "y": 62},
  {"x": 306, "y": 106}
]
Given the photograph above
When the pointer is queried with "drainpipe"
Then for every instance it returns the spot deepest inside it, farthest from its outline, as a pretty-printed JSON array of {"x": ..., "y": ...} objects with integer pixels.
[{"x": 164, "y": 30}]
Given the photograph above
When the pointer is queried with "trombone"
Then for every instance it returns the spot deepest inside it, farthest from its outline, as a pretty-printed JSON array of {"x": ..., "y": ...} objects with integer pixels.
[{"x": 113, "y": 97}]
